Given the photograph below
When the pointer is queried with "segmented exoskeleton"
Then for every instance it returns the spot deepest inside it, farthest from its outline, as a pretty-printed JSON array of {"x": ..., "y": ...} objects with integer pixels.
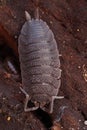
[{"x": 40, "y": 64}]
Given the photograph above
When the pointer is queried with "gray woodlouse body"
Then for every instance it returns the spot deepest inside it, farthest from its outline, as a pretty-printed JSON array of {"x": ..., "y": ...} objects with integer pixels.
[{"x": 40, "y": 64}]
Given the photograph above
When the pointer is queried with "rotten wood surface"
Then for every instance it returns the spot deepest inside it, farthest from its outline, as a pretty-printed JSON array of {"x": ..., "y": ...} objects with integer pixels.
[
  {"x": 9, "y": 40},
  {"x": 68, "y": 21}
]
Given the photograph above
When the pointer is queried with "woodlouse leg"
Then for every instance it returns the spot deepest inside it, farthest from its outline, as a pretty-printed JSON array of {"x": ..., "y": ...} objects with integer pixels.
[
  {"x": 26, "y": 109},
  {"x": 60, "y": 55},
  {"x": 52, "y": 101}
]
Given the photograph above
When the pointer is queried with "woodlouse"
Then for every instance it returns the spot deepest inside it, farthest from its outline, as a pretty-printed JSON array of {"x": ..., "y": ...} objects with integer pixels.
[{"x": 40, "y": 64}]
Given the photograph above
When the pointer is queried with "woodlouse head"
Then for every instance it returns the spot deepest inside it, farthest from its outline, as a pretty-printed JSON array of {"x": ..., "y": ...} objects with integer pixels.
[{"x": 42, "y": 100}]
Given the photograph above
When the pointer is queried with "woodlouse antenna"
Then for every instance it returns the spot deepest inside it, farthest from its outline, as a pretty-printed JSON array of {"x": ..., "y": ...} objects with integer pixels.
[{"x": 27, "y": 15}]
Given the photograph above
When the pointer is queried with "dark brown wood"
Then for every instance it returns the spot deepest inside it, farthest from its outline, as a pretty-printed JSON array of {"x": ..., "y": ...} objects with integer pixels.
[{"x": 9, "y": 40}]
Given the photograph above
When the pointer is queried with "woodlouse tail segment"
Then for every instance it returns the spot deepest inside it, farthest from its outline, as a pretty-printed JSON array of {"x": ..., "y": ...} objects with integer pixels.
[
  {"x": 37, "y": 13},
  {"x": 27, "y": 15}
]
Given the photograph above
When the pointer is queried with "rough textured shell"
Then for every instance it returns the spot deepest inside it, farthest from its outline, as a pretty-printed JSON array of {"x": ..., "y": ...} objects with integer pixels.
[{"x": 39, "y": 58}]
